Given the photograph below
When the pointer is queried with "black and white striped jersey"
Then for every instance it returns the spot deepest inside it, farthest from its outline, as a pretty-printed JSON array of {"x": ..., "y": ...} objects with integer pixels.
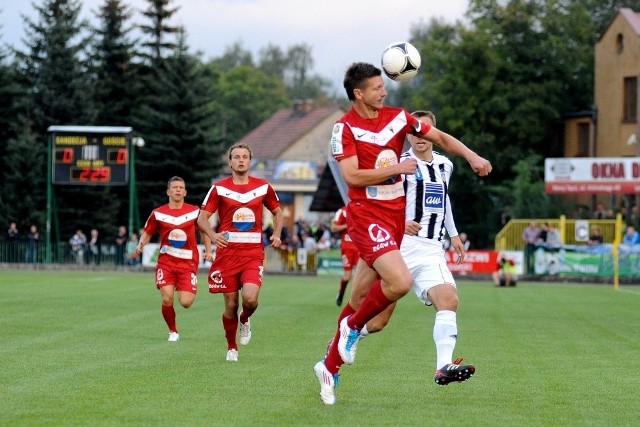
[{"x": 428, "y": 200}]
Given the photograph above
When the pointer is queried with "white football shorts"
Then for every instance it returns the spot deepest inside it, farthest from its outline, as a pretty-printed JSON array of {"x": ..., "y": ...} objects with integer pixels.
[{"x": 428, "y": 270}]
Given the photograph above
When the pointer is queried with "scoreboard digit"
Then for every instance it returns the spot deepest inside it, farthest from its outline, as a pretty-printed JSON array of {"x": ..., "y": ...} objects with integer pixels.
[{"x": 86, "y": 155}]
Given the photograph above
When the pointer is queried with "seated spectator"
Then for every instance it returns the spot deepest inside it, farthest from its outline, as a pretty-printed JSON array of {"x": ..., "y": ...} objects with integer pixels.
[
  {"x": 631, "y": 236},
  {"x": 596, "y": 238},
  {"x": 505, "y": 274}
]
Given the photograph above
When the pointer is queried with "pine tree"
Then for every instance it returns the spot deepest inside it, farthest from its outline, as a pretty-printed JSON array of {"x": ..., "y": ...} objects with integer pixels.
[
  {"x": 10, "y": 93},
  {"x": 117, "y": 85},
  {"x": 118, "y": 91},
  {"x": 159, "y": 13},
  {"x": 179, "y": 135},
  {"x": 55, "y": 71}
]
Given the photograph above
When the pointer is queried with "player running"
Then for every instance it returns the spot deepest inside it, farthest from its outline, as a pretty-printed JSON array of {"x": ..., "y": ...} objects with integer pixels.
[
  {"x": 178, "y": 260},
  {"x": 428, "y": 214},
  {"x": 238, "y": 265},
  {"x": 347, "y": 248}
]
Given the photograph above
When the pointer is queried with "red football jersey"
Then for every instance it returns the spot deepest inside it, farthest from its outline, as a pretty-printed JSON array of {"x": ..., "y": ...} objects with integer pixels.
[
  {"x": 177, "y": 230},
  {"x": 239, "y": 209},
  {"x": 346, "y": 243},
  {"x": 378, "y": 143}
]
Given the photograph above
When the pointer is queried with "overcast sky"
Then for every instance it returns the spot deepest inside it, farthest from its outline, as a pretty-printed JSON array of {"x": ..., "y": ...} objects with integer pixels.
[{"x": 339, "y": 32}]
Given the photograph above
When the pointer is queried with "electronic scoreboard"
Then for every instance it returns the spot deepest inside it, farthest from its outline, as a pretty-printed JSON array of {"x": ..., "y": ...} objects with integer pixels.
[{"x": 90, "y": 155}]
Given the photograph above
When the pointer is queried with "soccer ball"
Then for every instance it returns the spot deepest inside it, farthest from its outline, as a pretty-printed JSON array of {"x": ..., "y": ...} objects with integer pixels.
[{"x": 401, "y": 61}]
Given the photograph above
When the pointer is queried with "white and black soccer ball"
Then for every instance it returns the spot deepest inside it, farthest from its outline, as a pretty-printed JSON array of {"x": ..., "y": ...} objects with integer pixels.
[{"x": 401, "y": 61}]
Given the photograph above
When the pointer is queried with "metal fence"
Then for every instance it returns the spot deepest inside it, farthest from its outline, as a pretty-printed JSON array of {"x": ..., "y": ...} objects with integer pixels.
[
  {"x": 286, "y": 261},
  {"x": 510, "y": 237},
  {"x": 61, "y": 253}
]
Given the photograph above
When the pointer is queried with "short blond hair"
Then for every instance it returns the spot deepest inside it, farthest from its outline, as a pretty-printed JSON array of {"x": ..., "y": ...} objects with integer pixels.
[{"x": 245, "y": 146}]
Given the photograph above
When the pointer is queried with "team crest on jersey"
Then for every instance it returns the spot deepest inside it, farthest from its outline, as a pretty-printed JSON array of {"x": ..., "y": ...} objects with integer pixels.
[
  {"x": 177, "y": 238},
  {"x": 433, "y": 196},
  {"x": 244, "y": 219}
]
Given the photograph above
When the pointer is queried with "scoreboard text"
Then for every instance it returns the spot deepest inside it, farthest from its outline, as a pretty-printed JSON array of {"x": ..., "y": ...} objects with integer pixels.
[{"x": 90, "y": 159}]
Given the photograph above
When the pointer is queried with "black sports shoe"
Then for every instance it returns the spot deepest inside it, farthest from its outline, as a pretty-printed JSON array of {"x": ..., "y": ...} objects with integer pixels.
[
  {"x": 339, "y": 299},
  {"x": 454, "y": 372}
]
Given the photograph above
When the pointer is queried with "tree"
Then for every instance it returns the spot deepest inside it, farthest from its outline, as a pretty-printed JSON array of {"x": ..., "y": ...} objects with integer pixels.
[
  {"x": 234, "y": 55},
  {"x": 272, "y": 61},
  {"x": 23, "y": 189},
  {"x": 55, "y": 72},
  {"x": 248, "y": 97},
  {"x": 501, "y": 85},
  {"x": 159, "y": 13},
  {"x": 10, "y": 93},
  {"x": 117, "y": 86},
  {"x": 179, "y": 131}
]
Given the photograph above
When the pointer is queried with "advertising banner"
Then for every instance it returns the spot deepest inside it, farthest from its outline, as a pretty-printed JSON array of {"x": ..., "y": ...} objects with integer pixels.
[
  {"x": 588, "y": 175},
  {"x": 575, "y": 260}
]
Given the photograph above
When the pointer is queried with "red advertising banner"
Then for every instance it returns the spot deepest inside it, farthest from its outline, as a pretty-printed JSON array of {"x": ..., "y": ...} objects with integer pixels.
[{"x": 475, "y": 262}]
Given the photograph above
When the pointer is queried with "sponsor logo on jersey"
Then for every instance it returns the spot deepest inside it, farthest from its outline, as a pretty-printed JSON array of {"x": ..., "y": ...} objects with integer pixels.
[
  {"x": 244, "y": 219},
  {"x": 385, "y": 159},
  {"x": 433, "y": 196},
  {"x": 336, "y": 139},
  {"x": 378, "y": 234},
  {"x": 177, "y": 238}
]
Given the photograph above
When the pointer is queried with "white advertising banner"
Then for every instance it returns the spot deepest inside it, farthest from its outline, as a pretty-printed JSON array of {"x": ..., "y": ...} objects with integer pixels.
[{"x": 587, "y": 175}]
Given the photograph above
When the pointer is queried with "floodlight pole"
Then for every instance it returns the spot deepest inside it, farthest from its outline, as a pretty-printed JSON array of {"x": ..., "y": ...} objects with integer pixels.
[
  {"x": 47, "y": 248},
  {"x": 136, "y": 141}
]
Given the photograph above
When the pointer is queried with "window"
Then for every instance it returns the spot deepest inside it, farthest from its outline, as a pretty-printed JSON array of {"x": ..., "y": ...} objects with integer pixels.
[
  {"x": 583, "y": 139},
  {"x": 629, "y": 109},
  {"x": 620, "y": 43}
]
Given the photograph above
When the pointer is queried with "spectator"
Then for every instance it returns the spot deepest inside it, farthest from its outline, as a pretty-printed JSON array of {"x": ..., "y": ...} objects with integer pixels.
[
  {"x": 634, "y": 218},
  {"x": 553, "y": 236},
  {"x": 602, "y": 213},
  {"x": 466, "y": 244},
  {"x": 95, "y": 247},
  {"x": 33, "y": 239},
  {"x": 544, "y": 229},
  {"x": 309, "y": 243},
  {"x": 121, "y": 244},
  {"x": 12, "y": 237},
  {"x": 505, "y": 274},
  {"x": 596, "y": 238},
  {"x": 78, "y": 243},
  {"x": 631, "y": 236},
  {"x": 530, "y": 239},
  {"x": 133, "y": 257},
  {"x": 324, "y": 243}
]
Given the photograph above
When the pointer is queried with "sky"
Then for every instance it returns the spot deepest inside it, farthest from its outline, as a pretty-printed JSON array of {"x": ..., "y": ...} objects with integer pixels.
[{"x": 339, "y": 32}]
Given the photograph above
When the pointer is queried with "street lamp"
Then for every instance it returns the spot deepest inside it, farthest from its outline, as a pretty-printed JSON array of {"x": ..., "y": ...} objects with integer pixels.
[{"x": 136, "y": 141}]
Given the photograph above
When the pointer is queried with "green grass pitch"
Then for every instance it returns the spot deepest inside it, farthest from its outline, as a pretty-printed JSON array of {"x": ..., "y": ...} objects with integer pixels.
[{"x": 90, "y": 348}]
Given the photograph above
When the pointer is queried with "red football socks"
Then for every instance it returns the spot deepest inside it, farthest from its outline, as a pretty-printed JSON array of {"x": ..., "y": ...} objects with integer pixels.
[
  {"x": 374, "y": 303},
  {"x": 169, "y": 315}
]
